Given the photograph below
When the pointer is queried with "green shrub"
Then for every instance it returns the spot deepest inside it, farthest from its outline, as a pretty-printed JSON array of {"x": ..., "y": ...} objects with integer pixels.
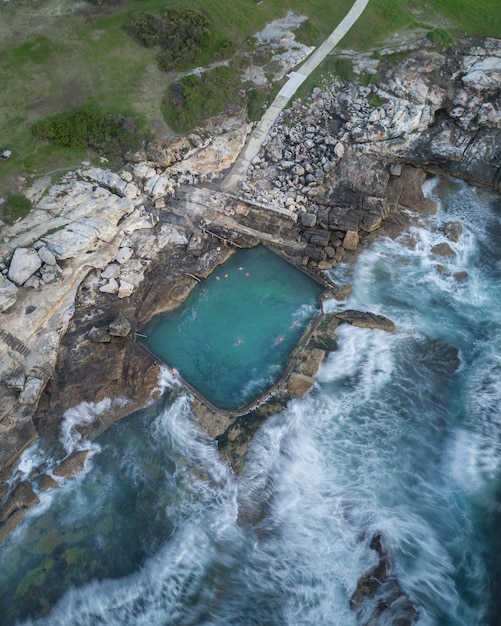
[
  {"x": 197, "y": 97},
  {"x": 256, "y": 99},
  {"x": 367, "y": 79},
  {"x": 343, "y": 69},
  {"x": 15, "y": 207},
  {"x": 374, "y": 100},
  {"x": 440, "y": 37},
  {"x": 112, "y": 134},
  {"x": 181, "y": 33}
]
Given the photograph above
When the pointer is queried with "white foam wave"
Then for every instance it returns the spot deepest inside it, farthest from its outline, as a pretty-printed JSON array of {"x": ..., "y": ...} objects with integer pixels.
[
  {"x": 364, "y": 357},
  {"x": 84, "y": 413}
]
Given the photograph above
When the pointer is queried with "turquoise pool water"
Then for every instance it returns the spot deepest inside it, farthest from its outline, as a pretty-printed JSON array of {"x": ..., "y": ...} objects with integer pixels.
[{"x": 233, "y": 336}]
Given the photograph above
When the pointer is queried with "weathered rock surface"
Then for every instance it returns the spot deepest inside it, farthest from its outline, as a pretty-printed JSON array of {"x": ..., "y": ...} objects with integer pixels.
[
  {"x": 364, "y": 319},
  {"x": 8, "y": 294},
  {"x": 72, "y": 465},
  {"x": 24, "y": 263},
  {"x": 300, "y": 384}
]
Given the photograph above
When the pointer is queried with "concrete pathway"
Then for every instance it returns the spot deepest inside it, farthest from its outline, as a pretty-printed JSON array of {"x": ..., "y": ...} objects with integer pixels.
[{"x": 260, "y": 132}]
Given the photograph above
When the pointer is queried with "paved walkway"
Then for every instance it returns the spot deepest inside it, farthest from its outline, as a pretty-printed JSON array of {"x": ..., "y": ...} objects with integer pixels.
[{"x": 259, "y": 134}]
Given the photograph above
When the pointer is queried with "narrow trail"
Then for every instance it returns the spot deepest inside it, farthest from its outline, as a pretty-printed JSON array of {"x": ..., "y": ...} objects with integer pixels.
[{"x": 296, "y": 79}]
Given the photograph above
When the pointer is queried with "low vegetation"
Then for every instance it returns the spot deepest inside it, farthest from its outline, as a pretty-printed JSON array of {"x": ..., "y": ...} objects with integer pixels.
[
  {"x": 108, "y": 134},
  {"x": 15, "y": 207},
  {"x": 125, "y": 58}
]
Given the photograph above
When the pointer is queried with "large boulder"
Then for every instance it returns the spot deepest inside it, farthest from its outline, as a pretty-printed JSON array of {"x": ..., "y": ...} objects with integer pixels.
[{"x": 25, "y": 262}]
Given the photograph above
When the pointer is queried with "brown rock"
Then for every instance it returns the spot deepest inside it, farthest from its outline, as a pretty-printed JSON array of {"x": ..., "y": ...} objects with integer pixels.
[
  {"x": 14, "y": 520},
  {"x": 350, "y": 241},
  {"x": 120, "y": 327},
  {"x": 72, "y": 465},
  {"x": 23, "y": 497},
  {"x": 453, "y": 230},
  {"x": 300, "y": 385},
  {"x": 311, "y": 359},
  {"x": 365, "y": 319},
  {"x": 47, "y": 482},
  {"x": 443, "y": 249}
]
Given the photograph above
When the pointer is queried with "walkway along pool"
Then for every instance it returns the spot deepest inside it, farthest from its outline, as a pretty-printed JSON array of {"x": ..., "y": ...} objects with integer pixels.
[{"x": 233, "y": 337}]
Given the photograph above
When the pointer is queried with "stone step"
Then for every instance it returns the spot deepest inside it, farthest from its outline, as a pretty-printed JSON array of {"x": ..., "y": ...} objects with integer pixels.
[{"x": 14, "y": 343}]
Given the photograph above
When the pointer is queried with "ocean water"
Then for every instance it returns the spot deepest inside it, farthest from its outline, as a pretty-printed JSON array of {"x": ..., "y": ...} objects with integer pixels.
[{"x": 401, "y": 436}]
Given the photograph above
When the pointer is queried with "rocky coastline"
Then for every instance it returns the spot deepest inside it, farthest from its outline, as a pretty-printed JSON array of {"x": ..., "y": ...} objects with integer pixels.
[{"x": 101, "y": 252}]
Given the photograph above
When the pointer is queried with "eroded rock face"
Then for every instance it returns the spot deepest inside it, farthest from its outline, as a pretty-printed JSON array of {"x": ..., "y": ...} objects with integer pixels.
[{"x": 8, "y": 294}]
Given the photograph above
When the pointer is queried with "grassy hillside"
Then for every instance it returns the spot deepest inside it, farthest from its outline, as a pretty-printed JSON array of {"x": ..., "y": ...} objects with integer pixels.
[{"x": 56, "y": 59}]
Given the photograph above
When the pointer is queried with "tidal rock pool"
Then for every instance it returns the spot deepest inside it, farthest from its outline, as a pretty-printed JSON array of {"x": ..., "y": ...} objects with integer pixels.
[{"x": 232, "y": 338}]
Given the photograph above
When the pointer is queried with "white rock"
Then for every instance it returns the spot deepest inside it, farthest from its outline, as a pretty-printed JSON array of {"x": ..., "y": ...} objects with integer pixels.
[
  {"x": 110, "y": 287},
  {"x": 125, "y": 289},
  {"x": 8, "y": 293},
  {"x": 138, "y": 220},
  {"x": 25, "y": 262},
  {"x": 131, "y": 191},
  {"x": 46, "y": 255},
  {"x": 123, "y": 255},
  {"x": 32, "y": 390},
  {"x": 74, "y": 240},
  {"x": 106, "y": 178},
  {"x": 112, "y": 271},
  {"x": 144, "y": 171},
  {"x": 339, "y": 150}
]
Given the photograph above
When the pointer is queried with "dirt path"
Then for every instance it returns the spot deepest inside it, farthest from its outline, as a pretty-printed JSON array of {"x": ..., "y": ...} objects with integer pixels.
[{"x": 257, "y": 137}]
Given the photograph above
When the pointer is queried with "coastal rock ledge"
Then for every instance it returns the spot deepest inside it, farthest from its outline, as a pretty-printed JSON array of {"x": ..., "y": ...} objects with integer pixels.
[{"x": 102, "y": 252}]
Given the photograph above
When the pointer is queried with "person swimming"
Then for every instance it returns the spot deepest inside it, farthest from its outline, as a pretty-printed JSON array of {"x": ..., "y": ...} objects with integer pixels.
[
  {"x": 238, "y": 342},
  {"x": 279, "y": 339}
]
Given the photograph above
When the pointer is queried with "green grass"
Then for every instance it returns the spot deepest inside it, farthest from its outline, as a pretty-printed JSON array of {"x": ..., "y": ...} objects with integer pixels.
[
  {"x": 14, "y": 208},
  {"x": 475, "y": 17}
]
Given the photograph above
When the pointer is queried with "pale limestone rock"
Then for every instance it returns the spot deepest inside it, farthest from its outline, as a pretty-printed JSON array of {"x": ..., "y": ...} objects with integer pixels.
[
  {"x": 144, "y": 171},
  {"x": 32, "y": 390},
  {"x": 112, "y": 271},
  {"x": 106, "y": 178},
  {"x": 137, "y": 220},
  {"x": 123, "y": 255},
  {"x": 46, "y": 255},
  {"x": 125, "y": 289},
  {"x": 25, "y": 262},
  {"x": 8, "y": 293},
  {"x": 99, "y": 335},
  {"x": 159, "y": 185},
  {"x": 110, "y": 287},
  {"x": 74, "y": 240}
]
